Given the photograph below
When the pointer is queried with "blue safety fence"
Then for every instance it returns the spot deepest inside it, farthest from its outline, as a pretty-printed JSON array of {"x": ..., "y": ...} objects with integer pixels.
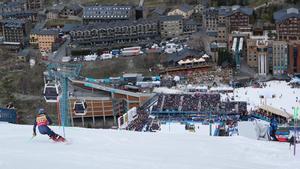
[{"x": 8, "y": 115}]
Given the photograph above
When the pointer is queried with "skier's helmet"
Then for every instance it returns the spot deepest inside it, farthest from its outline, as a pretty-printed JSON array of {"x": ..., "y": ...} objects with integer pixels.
[{"x": 41, "y": 111}]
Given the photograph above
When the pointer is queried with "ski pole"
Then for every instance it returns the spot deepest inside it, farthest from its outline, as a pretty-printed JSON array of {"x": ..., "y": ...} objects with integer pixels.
[{"x": 31, "y": 138}]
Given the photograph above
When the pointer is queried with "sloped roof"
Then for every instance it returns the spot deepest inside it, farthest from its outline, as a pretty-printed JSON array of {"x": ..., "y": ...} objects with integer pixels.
[
  {"x": 74, "y": 7},
  {"x": 284, "y": 14},
  {"x": 190, "y": 22},
  {"x": 14, "y": 4},
  {"x": 15, "y": 14},
  {"x": 276, "y": 111},
  {"x": 70, "y": 26},
  {"x": 13, "y": 22},
  {"x": 46, "y": 31},
  {"x": 159, "y": 10},
  {"x": 107, "y": 12},
  {"x": 177, "y": 56},
  {"x": 230, "y": 10},
  {"x": 185, "y": 8},
  {"x": 170, "y": 18}
]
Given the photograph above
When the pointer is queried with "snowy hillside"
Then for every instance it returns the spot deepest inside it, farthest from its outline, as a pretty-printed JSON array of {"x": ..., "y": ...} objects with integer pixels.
[
  {"x": 113, "y": 149},
  {"x": 285, "y": 96}
]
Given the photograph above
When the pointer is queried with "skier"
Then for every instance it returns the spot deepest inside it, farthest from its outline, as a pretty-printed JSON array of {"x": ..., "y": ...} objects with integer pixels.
[{"x": 42, "y": 121}]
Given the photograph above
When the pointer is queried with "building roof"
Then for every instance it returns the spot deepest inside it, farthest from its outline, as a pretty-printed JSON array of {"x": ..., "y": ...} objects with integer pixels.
[
  {"x": 284, "y": 14},
  {"x": 185, "y": 8},
  {"x": 12, "y": 4},
  {"x": 159, "y": 10},
  {"x": 177, "y": 56},
  {"x": 16, "y": 14},
  {"x": 170, "y": 18},
  {"x": 24, "y": 52},
  {"x": 212, "y": 33},
  {"x": 45, "y": 32},
  {"x": 70, "y": 26},
  {"x": 230, "y": 10},
  {"x": 55, "y": 9},
  {"x": 190, "y": 22},
  {"x": 211, "y": 12},
  {"x": 107, "y": 12},
  {"x": 110, "y": 89},
  {"x": 13, "y": 23},
  {"x": 276, "y": 111},
  {"x": 74, "y": 7}
]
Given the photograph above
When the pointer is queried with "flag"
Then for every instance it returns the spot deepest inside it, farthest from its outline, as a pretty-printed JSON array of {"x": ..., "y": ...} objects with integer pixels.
[{"x": 296, "y": 112}]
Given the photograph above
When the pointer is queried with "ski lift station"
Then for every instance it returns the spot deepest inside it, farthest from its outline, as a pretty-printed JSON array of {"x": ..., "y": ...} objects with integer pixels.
[
  {"x": 101, "y": 105},
  {"x": 84, "y": 101}
]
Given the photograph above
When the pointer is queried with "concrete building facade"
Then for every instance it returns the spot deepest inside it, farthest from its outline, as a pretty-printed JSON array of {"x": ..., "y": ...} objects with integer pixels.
[
  {"x": 16, "y": 32},
  {"x": 287, "y": 24},
  {"x": 280, "y": 57},
  {"x": 170, "y": 26},
  {"x": 121, "y": 33},
  {"x": 294, "y": 57}
]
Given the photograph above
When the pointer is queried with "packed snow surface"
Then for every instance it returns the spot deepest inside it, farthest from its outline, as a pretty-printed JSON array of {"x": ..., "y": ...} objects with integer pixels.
[
  {"x": 285, "y": 97},
  {"x": 116, "y": 149}
]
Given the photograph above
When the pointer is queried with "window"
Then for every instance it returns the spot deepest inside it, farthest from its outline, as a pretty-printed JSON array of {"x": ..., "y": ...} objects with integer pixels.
[{"x": 295, "y": 54}]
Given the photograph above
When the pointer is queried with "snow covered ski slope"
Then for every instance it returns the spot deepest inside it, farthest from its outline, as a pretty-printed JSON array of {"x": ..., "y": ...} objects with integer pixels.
[
  {"x": 285, "y": 97},
  {"x": 113, "y": 149}
]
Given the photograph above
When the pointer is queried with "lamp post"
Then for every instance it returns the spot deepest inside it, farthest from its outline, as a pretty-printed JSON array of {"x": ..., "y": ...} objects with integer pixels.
[
  {"x": 296, "y": 111},
  {"x": 210, "y": 127}
]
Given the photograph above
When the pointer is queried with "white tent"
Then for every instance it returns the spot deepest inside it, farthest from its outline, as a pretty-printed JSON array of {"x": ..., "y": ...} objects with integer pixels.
[
  {"x": 295, "y": 80},
  {"x": 201, "y": 60},
  {"x": 188, "y": 61},
  {"x": 205, "y": 56},
  {"x": 195, "y": 60},
  {"x": 257, "y": 129},
  {"x": 181, "y": 62},
  {"x": 177, "y": 78}
]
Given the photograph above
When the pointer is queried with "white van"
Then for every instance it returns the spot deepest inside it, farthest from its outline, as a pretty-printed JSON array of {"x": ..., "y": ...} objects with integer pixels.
[
  {"x": 66, "y": 59},
  {"x": 92, "y": 57},
  {"x": 106, "y": 56}
]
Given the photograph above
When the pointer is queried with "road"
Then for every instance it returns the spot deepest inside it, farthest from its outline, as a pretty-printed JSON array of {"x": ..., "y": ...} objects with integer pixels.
[
  {"x": 60, "y": 52},
  {"x": 264, "y": 4}
]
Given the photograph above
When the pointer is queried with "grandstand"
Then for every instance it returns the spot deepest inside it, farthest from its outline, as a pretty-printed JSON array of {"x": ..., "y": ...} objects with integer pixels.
[
  {"x": 104, "y": 103},
  {"x": 201, "y": 107}
]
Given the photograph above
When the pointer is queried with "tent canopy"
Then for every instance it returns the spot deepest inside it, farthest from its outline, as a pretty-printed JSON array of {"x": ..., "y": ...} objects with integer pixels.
[{"x": 205, "y": 56}]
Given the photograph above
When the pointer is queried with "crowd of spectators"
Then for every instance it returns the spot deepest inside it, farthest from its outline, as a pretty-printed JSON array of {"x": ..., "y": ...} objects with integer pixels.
[
  {"x": 205, "y": 107},
  {"x": 233, "y": 107},
  {"x": 210, "y": 77},
  {"x": 210, "y": 102},
  {"x": 203, "y": 102},
  {"x": 198, "y": 106},
  {"x": 190, "y": 103},
  {"x": 140, "y": 121},
  {"x": 171, "y": 102},
  {"x": 143, "y": 121}
]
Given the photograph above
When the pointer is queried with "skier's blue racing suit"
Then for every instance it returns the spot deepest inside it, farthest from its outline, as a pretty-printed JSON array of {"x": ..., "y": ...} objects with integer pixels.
[{"x": 42, "y": 121}]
